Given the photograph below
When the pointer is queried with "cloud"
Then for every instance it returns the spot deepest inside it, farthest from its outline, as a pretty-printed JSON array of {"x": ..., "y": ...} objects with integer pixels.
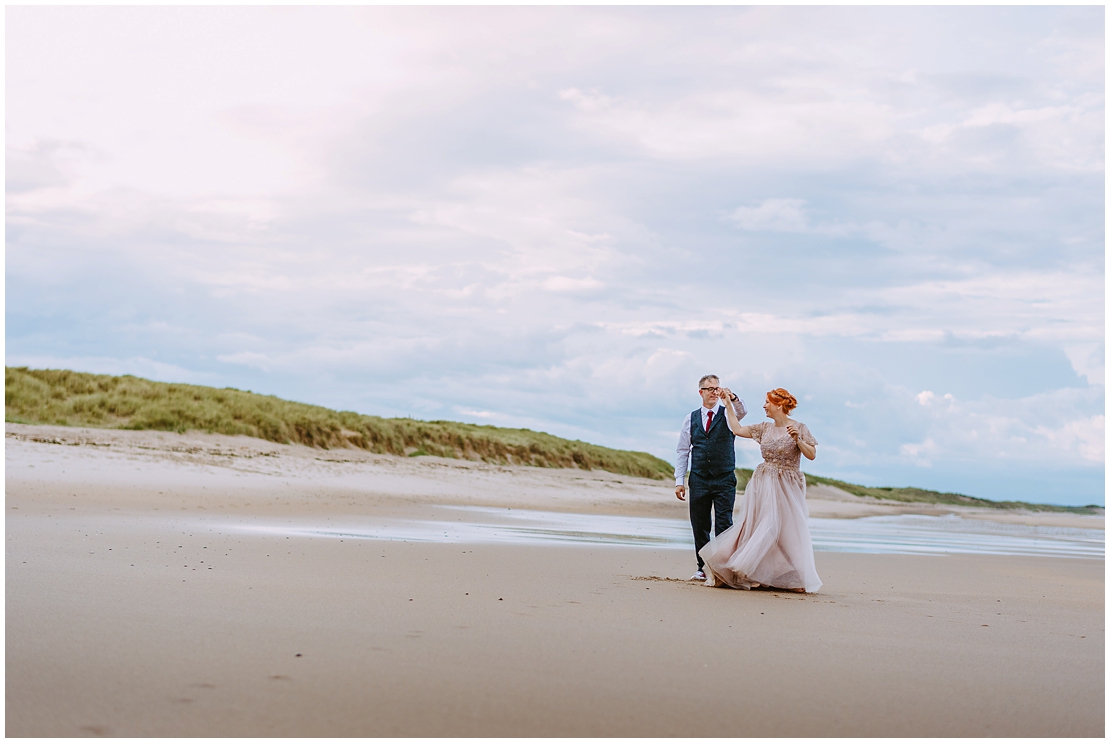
[
  {"x": 736, "y": 123},
  {"x": 1049, "y": 428},
  {"x": 38, "y": 166},
  {"x": 773, "y": 215},
  {"x": 1089, "y": 361},
  {"x": 567, "y": 284},
  {"x": 1048, "y": 132},
  {"x": 135, "y": 365},
  {"x": 1085, "y": 436},
  {"x": 247, "y": 358},
  {"x": 791, "y": 215},
  {"x": 484, "y": 414},
  {"x": 920, "y": 454}
]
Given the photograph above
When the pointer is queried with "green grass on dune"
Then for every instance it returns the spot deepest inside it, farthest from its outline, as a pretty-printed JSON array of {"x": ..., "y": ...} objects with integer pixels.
[{"x": 68, "y": 398}]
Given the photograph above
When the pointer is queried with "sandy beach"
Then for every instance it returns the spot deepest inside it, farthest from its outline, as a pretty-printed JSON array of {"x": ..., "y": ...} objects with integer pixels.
[{"x": 134, "y": 609}]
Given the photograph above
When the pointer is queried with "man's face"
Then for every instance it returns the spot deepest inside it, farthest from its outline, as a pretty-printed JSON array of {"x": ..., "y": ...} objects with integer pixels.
[{"x": 710, "y": 392}]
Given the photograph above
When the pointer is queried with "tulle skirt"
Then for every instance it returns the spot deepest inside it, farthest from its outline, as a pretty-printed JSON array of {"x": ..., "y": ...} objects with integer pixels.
[{"x": 770, "y": 544}]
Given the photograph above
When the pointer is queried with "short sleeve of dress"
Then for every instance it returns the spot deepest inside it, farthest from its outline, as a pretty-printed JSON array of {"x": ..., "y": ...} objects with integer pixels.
[
  {"x": 756, "y": 431},
  {"x": 805, "y": 435}
]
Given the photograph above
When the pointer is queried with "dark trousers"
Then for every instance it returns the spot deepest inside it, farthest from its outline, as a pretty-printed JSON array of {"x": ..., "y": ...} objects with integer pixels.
[{"x": 711, "y": 503}]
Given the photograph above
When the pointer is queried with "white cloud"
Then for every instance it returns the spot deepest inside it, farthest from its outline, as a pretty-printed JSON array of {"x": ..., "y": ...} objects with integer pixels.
[
  {"x": 1049, "y": 429},
  {"x": 1065, "y": 136},
  {"x": 485, "y": 414},
  {"x": 1085, "y": 436},
  {"x": 739, "y": 123},
  {"x": 567, "y": 284},
  {"x": 135, "y": 365},
  {"x": 774, "y": 215},
  {"x": 1088, "y": 360},
  {"x": 920, "y": 454},
  {"x": 247, "y": 358},
  {"x": 791, "y": 215},
  {"x": 1054, "y": 305}
]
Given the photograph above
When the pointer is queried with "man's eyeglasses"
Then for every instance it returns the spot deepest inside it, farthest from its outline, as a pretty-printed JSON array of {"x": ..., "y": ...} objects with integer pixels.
[{"x": 710, "y": 389}]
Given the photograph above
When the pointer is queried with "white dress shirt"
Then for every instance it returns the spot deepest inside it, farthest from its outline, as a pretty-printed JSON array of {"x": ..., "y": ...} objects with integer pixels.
[{"x": 682, "y": 461}]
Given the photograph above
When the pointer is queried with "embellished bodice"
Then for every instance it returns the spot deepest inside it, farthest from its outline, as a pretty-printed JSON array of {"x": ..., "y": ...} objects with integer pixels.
[{"x": 777, "y": 445}]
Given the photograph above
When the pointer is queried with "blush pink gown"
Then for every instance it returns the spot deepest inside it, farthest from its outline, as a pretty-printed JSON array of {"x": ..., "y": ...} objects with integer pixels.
[{"x": 769, "y": 545}]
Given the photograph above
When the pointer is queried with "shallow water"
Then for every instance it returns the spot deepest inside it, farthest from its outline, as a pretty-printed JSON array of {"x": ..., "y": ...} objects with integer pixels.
[{"x": 906, "y": 535}]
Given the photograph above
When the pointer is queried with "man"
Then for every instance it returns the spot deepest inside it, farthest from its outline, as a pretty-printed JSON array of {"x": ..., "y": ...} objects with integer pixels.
[{"x": 706, "y": 446}]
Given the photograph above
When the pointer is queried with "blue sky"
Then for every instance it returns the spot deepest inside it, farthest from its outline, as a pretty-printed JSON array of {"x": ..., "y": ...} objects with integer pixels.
[{"x": 559, "y": 218}]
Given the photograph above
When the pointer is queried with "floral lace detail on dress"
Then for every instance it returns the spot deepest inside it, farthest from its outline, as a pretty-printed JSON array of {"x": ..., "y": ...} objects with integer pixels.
[{"x": 778, "y": 447}]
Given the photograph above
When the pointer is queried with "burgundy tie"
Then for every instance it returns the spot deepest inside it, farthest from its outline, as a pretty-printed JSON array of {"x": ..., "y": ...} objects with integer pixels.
[{"x": 710, "y": 422}]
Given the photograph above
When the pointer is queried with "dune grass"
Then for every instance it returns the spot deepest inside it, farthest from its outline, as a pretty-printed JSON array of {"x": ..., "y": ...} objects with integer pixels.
[{"x": 69, "y": 398}]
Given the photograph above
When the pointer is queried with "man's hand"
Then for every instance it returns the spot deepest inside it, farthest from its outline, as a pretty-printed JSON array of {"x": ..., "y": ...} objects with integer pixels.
[
  {"x": 726, "y": 394},
  {"x": 680, "y": 492}
]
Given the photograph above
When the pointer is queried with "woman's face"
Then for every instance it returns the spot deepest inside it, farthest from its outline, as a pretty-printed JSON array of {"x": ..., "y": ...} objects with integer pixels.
[{"x": 771, "y": 409}]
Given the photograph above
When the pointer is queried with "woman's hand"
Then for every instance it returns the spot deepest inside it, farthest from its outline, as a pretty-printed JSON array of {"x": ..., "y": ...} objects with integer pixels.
[
  {"x": 809, "y": 450},
  {"x": 733, "y": 421}
]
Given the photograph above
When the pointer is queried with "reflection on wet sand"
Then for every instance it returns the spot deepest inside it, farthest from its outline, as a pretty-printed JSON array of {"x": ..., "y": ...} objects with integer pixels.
[{"x": 904, "y": 534}]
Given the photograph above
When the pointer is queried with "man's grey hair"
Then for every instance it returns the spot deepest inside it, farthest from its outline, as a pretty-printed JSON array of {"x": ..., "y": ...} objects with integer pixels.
[{"x": 706, "y": 378}]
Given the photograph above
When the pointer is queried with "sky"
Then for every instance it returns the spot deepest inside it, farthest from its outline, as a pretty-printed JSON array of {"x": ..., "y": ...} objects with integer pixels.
[{"x": 560, "y": 218}]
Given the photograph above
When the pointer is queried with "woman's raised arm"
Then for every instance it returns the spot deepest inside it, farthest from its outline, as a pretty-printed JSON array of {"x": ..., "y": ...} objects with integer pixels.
[{"x": 733, "y": 421}]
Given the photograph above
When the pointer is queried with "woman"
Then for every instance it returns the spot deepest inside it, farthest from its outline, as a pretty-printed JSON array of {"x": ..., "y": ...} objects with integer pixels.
[{"x": 770, "y": 544}]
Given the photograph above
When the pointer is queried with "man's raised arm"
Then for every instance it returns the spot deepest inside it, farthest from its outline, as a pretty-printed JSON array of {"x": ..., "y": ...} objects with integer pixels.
[{"x": 738, "y": 407}]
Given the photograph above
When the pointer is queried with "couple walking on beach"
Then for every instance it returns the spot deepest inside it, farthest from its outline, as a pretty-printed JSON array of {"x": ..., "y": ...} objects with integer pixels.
[{"x": 770, "y": 544}]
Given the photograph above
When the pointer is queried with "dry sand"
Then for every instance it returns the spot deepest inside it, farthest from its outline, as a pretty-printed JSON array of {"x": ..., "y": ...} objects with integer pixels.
[{"x": 126, "y": 615}]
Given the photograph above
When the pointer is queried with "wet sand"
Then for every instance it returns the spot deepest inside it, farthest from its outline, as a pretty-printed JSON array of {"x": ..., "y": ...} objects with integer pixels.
[{"x": 118, "y": 623}]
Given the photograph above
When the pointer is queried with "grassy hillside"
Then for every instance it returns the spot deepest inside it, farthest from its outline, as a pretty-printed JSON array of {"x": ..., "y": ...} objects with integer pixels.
[{"x": 69, "y": 398}]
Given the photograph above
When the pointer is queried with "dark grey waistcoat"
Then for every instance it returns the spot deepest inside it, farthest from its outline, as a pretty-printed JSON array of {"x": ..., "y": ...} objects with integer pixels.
[{"x": 712, "y": 454}]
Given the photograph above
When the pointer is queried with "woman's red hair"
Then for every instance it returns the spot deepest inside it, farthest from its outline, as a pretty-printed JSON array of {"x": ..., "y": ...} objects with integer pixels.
[{"x": 783, "y": 399}]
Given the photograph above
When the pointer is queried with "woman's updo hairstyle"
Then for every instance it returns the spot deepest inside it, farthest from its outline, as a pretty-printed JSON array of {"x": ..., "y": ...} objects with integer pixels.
[{"x": 783, "y": 399}]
